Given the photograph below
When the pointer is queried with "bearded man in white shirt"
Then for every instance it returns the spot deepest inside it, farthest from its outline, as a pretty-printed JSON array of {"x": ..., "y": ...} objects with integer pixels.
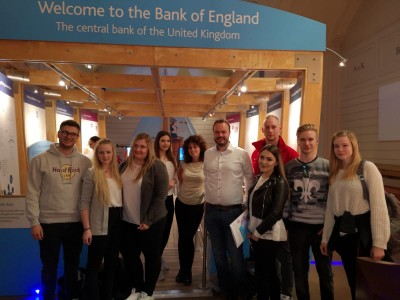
[{"x": 226, "y": 169}]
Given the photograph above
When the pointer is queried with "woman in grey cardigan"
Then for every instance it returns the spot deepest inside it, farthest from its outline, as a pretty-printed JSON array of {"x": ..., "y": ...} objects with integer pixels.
[
  {"x": 145, "y": 185},
  {"x": 101, "y": 203}
]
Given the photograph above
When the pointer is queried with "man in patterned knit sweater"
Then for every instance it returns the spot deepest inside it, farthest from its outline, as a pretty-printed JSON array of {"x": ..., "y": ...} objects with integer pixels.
[{"x": 308, "y": 177}]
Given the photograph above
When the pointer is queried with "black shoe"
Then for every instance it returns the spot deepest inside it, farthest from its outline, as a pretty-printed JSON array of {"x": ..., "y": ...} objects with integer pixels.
[
  {"x": 186, "y": 280},
  {"x": 179, "y": 278}
]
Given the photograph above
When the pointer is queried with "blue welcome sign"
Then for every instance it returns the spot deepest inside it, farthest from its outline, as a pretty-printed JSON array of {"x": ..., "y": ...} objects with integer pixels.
[{"x": 221, "y": 24}]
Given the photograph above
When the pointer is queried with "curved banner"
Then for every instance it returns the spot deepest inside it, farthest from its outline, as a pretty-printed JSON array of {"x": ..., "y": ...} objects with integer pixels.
[{"x": 230, "y": 24}]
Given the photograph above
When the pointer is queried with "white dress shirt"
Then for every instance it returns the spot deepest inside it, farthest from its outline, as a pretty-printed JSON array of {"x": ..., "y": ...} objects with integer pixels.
[{"x": 225, "y": 173}]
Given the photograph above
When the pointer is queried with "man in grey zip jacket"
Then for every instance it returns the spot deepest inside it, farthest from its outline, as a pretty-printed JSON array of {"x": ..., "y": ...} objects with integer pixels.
[{"x": 52, "y": 208}]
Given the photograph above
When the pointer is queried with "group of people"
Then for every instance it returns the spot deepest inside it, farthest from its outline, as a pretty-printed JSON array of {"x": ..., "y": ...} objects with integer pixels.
[
  {"x": 295, "y": 202},
  {"x": 71, "y": 201}
]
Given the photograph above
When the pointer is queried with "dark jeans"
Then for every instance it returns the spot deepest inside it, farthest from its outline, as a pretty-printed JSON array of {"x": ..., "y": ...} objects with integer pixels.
[
  {"x": 169, "y": 205},
  {"x": 301, "y": 238},
  {"x": 285, "y": 269},
  {"x": 69, "y": 235},
  {"x": 188, "y": 218},
  {"x": 107, "y": 247},
  {"x": 267, "y": 280},
  {"x": 228, "y": 258},
  {"x": 347, "y": 247},
  {"x": 134, "y": 242}
]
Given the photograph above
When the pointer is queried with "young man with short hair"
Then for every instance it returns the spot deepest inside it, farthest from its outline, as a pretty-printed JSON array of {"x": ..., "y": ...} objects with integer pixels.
[
  {"x": 52, "y": 208},
  {"x": 304, "y": 214}
]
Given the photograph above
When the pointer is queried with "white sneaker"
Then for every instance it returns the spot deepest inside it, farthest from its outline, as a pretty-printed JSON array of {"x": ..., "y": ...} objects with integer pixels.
[
  {"x": 285, "y": 297},
  {"x": 144, "y": 296},
  {"x": 133, "y": 295},
  {"x": 164, "y": 266}
]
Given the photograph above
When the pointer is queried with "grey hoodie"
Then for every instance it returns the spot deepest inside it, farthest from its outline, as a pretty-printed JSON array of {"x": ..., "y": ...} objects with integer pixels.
[{"x": 54, "y": 186}]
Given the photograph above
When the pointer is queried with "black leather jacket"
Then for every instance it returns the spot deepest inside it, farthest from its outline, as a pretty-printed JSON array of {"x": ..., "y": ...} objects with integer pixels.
[{"x": 268, "y": 201}]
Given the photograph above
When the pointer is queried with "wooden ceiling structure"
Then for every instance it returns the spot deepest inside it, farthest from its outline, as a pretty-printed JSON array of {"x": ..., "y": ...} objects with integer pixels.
[
  {"x": 167, "y": 81},
  {"x": 156, "y": 94}
]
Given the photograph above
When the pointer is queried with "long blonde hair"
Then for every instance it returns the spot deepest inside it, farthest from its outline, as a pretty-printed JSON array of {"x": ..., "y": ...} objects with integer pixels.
[
  {"x": 335, "y": 164},
  {"x": 100, "y": 181},
  {"x": 149, "y": 158}
]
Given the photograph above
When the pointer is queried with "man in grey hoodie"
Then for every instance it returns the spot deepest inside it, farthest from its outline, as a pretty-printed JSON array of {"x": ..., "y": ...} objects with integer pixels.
[{"x": 52, "y": 208}]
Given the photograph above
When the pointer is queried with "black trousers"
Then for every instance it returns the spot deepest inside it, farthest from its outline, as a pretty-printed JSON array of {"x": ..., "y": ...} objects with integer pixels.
[
  {"x": 107, "y": 247},
  {"x": 169, "y": 205},
  {"x": 69, "y": 236},
  {"x": 188, "y": 218},
  {"x": 133, "y": 243}
]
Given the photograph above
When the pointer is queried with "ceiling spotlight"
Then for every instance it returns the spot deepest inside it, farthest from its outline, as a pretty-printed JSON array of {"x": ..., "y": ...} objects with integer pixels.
[
  {"x": 36, "y": 91},
  {"x": 119, "y": 116},
  {"x": 61, "y": 82},
  {"x": 89, "y": 66},
  {"x": 67, "y": 101},
  {"x": 243, "y": 88},
  {"x": 343, "y": 63}
]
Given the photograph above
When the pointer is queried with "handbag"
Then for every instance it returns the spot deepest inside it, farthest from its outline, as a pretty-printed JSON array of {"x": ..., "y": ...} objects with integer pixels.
[{"x": 347, "y": 223}]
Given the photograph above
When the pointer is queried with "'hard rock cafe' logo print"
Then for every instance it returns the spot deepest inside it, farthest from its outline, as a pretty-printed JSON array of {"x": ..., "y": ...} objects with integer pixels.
[{"x": 66, "y": 171}]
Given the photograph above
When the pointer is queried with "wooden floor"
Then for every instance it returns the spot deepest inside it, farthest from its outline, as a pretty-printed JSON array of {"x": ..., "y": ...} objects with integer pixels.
[{"x": 169, "y": 289}]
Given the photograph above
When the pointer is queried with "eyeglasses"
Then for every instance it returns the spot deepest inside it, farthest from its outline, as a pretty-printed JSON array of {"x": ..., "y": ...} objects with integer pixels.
[
  {"x": 305, "y": 171},
  {"x": 65, "y": 133}
]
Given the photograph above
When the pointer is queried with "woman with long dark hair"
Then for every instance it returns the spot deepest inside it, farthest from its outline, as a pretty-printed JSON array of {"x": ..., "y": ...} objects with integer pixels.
[
  {"x": 163, "y": 151},
  {"x": 266, "y": 201}
]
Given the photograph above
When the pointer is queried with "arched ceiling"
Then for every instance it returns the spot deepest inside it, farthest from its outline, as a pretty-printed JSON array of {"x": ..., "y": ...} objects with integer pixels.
[{"x": 151, "y": 81}]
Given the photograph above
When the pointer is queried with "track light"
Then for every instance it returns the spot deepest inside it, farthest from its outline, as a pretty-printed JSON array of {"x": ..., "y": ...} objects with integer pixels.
[
  {"x": 343, "y": 61},
  {"x": 52, "y": 94},
  {"x": 243, "y": 88},
  {"x": 18, "y": 75}
]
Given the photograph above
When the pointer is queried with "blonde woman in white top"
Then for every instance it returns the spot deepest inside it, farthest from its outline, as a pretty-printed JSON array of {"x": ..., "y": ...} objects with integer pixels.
[
  {"x": 189, "y": 205},
  {"x": 372, "y": 225},
  {"x": 101, "y": 206}
]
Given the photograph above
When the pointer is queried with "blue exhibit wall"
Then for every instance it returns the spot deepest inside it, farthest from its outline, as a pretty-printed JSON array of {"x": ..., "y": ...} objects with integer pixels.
[{"x": 20, "y": 264}]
